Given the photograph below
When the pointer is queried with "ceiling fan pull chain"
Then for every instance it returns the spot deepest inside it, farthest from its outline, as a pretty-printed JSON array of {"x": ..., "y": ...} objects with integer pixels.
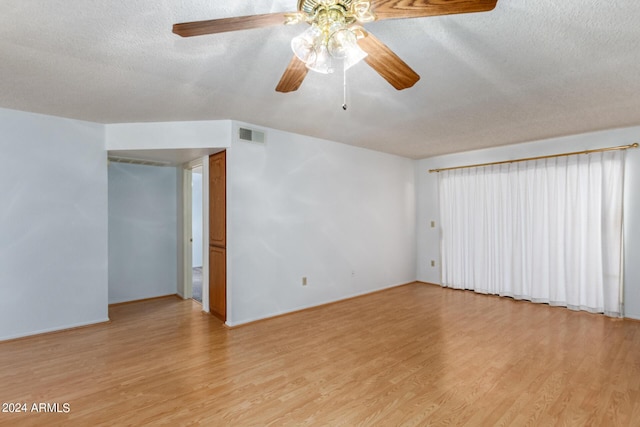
[{"x": 344, "y": 86}]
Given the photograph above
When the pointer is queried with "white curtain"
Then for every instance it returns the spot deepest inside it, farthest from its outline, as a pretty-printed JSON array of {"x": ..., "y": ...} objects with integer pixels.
[{"x": 545, "y": 230}]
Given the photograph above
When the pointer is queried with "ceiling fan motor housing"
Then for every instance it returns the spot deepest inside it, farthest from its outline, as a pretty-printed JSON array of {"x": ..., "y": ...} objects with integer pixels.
[
  {"x": 344, "y": 11},
  {"x": 310, "y": 7}
]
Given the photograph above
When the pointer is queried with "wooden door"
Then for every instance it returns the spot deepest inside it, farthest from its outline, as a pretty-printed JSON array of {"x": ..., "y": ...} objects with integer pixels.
[
  {"x": 217, "y": 282},
  {"x": 218, "y": 235},
  {"x": 218, "y": 199}
]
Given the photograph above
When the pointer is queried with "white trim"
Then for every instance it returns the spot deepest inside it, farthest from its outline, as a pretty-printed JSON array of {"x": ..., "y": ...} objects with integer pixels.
[
  {"x": 229, "y": 236},
  {"x": 314, "y": 305},
  {"x": 205, "y": 233},
  {"x": 187, "y": 283},
  {"x": 61, "y": 328},
  {"x": 195, "y": 163}
]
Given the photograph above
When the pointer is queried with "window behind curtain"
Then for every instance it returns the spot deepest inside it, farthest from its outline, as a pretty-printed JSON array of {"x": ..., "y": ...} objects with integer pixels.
[{"x": 546, "y": 230}]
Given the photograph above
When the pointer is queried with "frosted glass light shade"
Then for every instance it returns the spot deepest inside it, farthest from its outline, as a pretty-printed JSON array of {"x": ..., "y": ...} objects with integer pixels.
[
  {"x": 304, "y": 45},
  {"x": 340, "y": 42},
  {"x": 343, "y": 44},
  {"x": 354, "y": 55},
  {"x": 320, "y": 54},
  {"x": 323, "y": 61}
]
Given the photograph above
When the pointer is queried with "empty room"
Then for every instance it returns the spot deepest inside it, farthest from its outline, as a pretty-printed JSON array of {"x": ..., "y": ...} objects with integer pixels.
[{"x": 320, "y": 212}]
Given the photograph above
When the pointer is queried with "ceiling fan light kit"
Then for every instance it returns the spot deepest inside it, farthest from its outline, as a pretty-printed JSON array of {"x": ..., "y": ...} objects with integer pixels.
[
  {"x": 336, "y": 35},
  {"x": 330, "y": 35}
]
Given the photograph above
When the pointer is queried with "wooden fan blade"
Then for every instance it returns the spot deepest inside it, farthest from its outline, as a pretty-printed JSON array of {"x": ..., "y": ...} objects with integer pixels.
[
  {"x": 293, "y": 76},
  {"x": 387, "y": 64},
  {"x": 223, "y": 25},
  {"x": 397, "y": 9}
]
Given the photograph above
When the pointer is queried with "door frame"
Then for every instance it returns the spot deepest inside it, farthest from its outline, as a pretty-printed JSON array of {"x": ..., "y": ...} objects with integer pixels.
[
  {"x": 187, "y": 284},
  {"x": 187, "y": 277}
]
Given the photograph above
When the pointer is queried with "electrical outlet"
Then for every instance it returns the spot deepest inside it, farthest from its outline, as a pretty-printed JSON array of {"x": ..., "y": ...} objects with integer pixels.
[
  {"x": 304, "y": 281},
  {"x": 433, "y": 263}
]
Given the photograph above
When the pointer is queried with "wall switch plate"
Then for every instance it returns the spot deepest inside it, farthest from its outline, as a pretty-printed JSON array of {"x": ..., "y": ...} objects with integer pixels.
[
  {"x": 304, "y": 281},
  {"x": 433, "y": 224},
  {"x": 433, "y": 263}
]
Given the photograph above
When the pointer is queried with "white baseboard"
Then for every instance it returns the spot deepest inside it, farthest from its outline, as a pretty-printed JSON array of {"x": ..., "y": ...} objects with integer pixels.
[
  {"x": 232, "y": 324},
  {"x": 54, "y": 329}
]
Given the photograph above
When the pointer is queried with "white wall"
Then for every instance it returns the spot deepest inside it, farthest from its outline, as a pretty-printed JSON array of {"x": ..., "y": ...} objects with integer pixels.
[
  {"x": 342, "y": 216},
  {"x": 168, "y": 135},
  {"x": 428, "y": 209},
  {"x": 298, "y": 206},
  {"x": 143, "y": 245},
  {"x": 53, "y": 224}
]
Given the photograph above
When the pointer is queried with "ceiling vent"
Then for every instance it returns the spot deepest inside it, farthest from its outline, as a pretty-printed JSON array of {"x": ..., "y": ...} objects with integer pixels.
[
  {"x": 131, "y": 161},
  {"x": 250, "y": 135}
]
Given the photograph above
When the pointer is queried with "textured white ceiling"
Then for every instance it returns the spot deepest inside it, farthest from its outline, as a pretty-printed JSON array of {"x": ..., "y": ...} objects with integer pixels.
[{"x": 530, "y": 69}]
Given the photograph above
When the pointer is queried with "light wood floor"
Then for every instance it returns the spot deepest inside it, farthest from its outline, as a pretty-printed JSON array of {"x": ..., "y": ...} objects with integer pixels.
[{"x": 413, "y": 355}]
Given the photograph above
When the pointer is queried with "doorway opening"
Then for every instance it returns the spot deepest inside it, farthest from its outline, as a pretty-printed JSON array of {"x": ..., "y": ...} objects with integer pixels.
[
  {"x": 204, "y": 269},
  {"x": 196, "y": 233}
]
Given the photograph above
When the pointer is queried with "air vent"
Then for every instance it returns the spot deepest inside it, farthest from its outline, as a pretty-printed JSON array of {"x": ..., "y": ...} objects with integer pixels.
[
  {"x": 250, "y": 135},
  {"x": 132, "y": 161}
]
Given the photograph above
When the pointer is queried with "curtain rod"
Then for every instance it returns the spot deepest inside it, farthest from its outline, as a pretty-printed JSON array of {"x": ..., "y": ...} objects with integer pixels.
[{"x": 598, "y": 150}]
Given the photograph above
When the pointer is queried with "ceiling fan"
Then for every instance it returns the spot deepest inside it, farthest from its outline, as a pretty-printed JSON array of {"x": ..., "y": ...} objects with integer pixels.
[{"x": 335, "y": 34}]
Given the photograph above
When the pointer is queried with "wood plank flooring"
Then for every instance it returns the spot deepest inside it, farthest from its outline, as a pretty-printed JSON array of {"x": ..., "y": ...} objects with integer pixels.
[{"x": 412, "y": 355}]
